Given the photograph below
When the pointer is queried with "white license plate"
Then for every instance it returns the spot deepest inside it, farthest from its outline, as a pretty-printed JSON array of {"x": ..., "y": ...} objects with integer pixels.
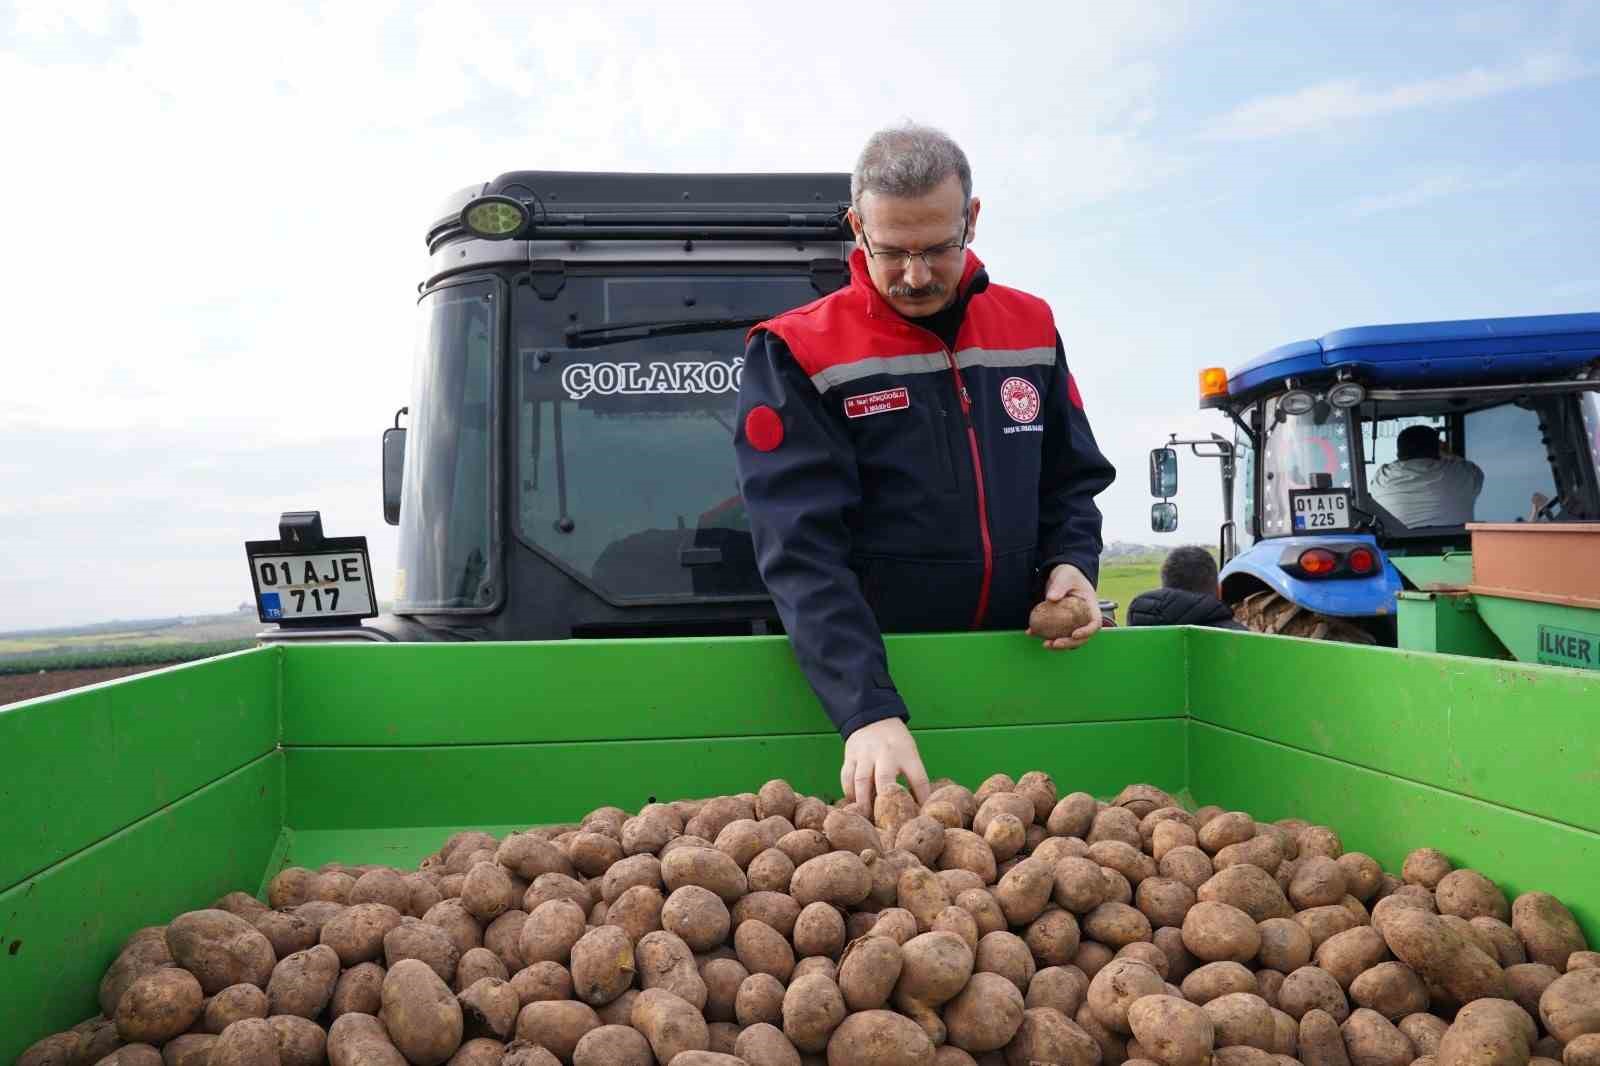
[
  {"x": 326, "y": 584},
  {"x": 1320, "y": 512}
]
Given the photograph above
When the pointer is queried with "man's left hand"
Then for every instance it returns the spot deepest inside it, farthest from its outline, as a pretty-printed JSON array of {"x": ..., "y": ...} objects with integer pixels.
[{"x": 1067, "y": 580}]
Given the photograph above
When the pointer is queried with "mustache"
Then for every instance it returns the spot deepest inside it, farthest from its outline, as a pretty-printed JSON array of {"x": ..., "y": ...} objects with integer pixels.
[{"x": 918, "y": 292}]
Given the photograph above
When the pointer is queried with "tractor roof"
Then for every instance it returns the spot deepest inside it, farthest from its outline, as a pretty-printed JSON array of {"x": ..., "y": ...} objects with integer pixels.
[{"x": 1462, "y": 352}]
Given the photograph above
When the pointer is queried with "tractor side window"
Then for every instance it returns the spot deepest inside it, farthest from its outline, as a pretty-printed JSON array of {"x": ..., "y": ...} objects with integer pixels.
[
  {"x": 1244, "y": 496},
  {"x": 1298, "y": 449},
  {"x": 1506, "y": 444},
  {"x": 1591, "y": 425}
]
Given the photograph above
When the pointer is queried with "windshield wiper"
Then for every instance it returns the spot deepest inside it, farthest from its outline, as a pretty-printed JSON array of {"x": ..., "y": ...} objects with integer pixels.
[{"x": 610, "y": 332}]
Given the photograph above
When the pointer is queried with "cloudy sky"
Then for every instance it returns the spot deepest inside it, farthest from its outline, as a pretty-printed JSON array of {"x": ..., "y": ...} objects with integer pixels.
[{"x": 215, "y": 215}]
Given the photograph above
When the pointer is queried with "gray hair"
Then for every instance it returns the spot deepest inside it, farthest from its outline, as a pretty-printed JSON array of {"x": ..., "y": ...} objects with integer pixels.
[{"x": 909, "y": 160}]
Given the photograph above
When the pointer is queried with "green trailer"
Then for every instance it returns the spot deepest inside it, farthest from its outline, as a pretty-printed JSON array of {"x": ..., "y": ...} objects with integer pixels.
[{"x": 130, "y": 802}]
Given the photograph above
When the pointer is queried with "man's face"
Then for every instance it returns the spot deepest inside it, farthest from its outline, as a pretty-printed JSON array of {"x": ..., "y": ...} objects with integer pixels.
[{"x": 931, "y": 223}]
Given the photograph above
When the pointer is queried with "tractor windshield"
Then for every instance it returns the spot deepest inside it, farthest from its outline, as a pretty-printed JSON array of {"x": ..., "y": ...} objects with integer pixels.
[
  {"x": 446, "y": 559},
  {"x": 1305, "y": 451},
  {"x": 624, "y": 436}
]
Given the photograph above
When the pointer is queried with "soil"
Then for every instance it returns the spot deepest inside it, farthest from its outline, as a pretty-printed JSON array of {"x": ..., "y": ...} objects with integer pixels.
[{"x": 14, "y": 687}]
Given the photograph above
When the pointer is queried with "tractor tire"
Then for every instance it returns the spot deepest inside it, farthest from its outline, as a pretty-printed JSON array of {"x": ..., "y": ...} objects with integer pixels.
[{"x": 1268, "y": 612}]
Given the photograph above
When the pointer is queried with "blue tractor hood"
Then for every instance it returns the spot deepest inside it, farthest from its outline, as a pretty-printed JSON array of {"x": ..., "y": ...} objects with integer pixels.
[
  {"x": 1465, "y": 352},
  {"x": 1343, "y": 597}
]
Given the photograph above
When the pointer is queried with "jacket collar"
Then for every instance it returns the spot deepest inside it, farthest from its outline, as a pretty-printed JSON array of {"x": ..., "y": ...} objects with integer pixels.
[{"x": 974, "y": 279}]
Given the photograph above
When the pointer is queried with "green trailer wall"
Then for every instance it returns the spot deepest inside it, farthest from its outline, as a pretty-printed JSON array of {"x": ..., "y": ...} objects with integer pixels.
[{"x": 136, "y": 800}]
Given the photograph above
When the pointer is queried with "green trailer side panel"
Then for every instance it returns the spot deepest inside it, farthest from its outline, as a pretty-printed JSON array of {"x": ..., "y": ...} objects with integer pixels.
[
  {"x": 1386, "y": 817},
  {"x": 1548, "y": 633},
  {"x": 77, "y": 767},
  {"x": 1447, "y": 623},
  {"x": 63, "y": 927},
  {"x": 536, "y": 784},
  {"x": 1424, "y": 570},
  {"x": 1526, "y": 738},
  {"x": 574, "y": 690}
]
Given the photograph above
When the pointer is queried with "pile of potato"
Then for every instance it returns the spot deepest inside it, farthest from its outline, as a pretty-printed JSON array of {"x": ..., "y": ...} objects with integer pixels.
[{"x": 1007, "y": 925}]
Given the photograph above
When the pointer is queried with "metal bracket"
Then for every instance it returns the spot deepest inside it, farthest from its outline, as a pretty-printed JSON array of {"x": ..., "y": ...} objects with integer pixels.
[
  {"x": 547, "y": 276},
  {"x": 828, "y": 275}
]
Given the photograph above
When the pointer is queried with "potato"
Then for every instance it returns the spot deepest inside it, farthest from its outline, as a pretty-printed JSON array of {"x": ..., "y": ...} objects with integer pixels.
[
  {"x": 1232, "y": 827},
  {"x": 1312, "y": 988},
  {"x": 478, "y": 963},
  {"x": 232, "y": 1004},
  {"x": 159, "y": 1006},
  {"x": 1053, "y": 937},
  {"x": 1116, "y": 987},
  {"x": 723, "y": 978},
  {"x": 1488, "y": 1031},
  {"x": 1047, "y": 1036},
  {"x": 1584, "y": 1051},
  {"x": 1424, "y": 1031},
  {"x": 603, "y": 965},
  {"x": 698, "y": 916},
  {"x": 810, "y": 813},
  {"x": 966, "y": 850},
  {"x": 664, "y": 961},
  {"x": 1547, "y": 928},
  {"x": 1443, "y": 957},
  {"x": 620, "y": 1010},
  {"x": 1078, "y": 885},
  {"x": 770, "y": 871},
  {"x": 1425, "y": 867},
  {"x": 1172, "y": 1031},
  {"x": 331, "y": 887},
  {"x": 1056, "y": 619},
  {"x": 632, "y": 871},
  {"x": 839, "y": 877},
  {"x": 776, "y": 909},
  {"x": 1392, "y": 989},
  {"x": 1169, "y": 939},
  {"x": 1248, "y": 888},
  {"x": 1063, "y": 988},
  {"x": 1570, "y": 1007},
  {"x": 715, "y": 814},
  {"x": 414, "y": 939},
  {"x": 1349, "y": 954},
  {"x": 220, "y": 949},
  {"x": 1263, "y": 850},
  {"x": 1527, "y": 983},
  {"x": 1115, "y": 823},
  {"x": 1188, "y": 864},
  {"x": 1508, "y": 947},
  {"x": 613, "y": 1045},
  {"x": 382, "y": 886},
  {"x": 489, "y": 1008},
  {"x": 1072, "y": 815},
  {"x": 356, "y": 933},
  {"x": 1116, "y": 925},
  {"x": 1242, "y": 1019},
  {"x": 984, "y": 1016},
  {"x": 542, "y": 981},
  {"x": 359, "y": 990},
  {"x": 762, "y": 949},
  {"x": 1242, "y": 1055},
  {"x": 1164, "y": 901},
  {"x": 359, "y": 1039},
  {"x": 480, "y": 1051},
  {"x": 1468, "y": 894},
  {"x": 528, "y": 856},
  {"x": 759, "y": 999},
  {"x": 1321, "y": 1043},
  {"x": 1169, "y": 834},
  {"x": 1092, "y": 958},
  {"x": 1318, "y": 882},
  {"x": 449, "y": 915},
  {"x": 422, "y": 1016},
  {"x": 1362, "y": 875},
  {"x": 287, "y": 933},
  {"x": 1006, "y": 837},
  {"x": 593, "y": 853},
  {"x": 550, "y": 932},
  {"x": 303, "y": 983},
  {"x": 1024, "y": 891},
  {"x": 1119, "y": 888},
  {"x": 1217, "y": 979},
  {"x": 1285, "y": 945},
  {"x": 190, "y": 1049},
  {"x": 935, "y": 967},
  {"x": 1218, "y": 932},
  {"x": 247, "y": 1042},
  {"x": 813, "y": 1007},
  {"x": 1583, "y": 960},
  {"x": 558, "y": 1025},
  {"x": 1006, "y": 954},
  {"x": 1323, "y": 923},
  {"x": 819, "y": 930}
]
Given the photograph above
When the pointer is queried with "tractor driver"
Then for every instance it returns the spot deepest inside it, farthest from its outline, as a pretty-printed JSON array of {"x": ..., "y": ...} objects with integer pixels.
[
  {"x": 1423, "y": 486},
  {"x": 913, "y": 453}
]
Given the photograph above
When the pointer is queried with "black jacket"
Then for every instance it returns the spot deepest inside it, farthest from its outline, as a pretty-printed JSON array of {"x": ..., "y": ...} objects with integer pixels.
[
  {"x": 1180, "y": 607},
  {"x": 896, "y": 485}
]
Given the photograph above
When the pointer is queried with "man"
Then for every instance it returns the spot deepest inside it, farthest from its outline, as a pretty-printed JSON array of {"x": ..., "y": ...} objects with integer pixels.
[
  {"x": 1424, "y": 488},
  {"x": 913, "y": 453},
  {"x": 1187, "y": 596}
]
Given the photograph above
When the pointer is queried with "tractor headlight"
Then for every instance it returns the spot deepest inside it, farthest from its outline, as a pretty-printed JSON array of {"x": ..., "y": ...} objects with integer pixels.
[
  {"x": 1346, "y": 394},
  {"x": 494, "y": 218},
  {"x": 1297, "y": 402}
]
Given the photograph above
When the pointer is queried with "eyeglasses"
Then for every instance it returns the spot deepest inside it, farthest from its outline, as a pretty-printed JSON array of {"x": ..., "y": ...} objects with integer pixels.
[{"x": 938, "y": 256}]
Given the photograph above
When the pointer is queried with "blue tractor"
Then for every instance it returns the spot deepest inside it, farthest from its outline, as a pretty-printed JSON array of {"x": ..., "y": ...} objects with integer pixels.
[{"x": 1334, "y": 501}]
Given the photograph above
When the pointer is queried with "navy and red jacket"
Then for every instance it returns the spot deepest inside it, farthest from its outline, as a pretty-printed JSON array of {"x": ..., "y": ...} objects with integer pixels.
[{"x": 895, "y": 485}]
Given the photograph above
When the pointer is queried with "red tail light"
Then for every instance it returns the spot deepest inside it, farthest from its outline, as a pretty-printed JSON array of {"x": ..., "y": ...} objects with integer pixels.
[
  {"x": 1318, "y": 562},
  {"x": 1362, "y": 561}
]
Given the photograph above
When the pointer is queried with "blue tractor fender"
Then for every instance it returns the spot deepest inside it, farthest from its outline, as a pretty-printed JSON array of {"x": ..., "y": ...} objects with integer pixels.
[{"x": 1341, "y": 597}]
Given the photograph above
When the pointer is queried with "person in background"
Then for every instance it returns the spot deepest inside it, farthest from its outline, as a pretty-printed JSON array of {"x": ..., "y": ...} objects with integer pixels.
[
  {"x": 1423, "y": 486},
  {"x": 1187, "y": 596}
]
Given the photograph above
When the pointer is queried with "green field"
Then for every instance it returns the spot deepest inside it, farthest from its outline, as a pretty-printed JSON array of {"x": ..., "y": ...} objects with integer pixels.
[
  {"x": 1123, "y": 579},
  {"x": 133, "y": 644}
]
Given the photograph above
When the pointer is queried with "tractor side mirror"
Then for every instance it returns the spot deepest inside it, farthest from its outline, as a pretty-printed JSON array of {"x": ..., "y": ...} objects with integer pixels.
[
  {"x": 1163, "y": 517},
  {"x": 394, "y": 460},
  {"x": 1163, "y": 472}
]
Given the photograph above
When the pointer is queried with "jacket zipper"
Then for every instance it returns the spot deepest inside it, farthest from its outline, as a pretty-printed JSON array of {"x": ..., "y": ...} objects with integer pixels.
[{"x": 983, "y": 503}]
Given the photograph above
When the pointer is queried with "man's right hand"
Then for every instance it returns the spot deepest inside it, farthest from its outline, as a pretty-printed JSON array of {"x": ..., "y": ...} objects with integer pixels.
[{"x": 877, "y": 754}]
